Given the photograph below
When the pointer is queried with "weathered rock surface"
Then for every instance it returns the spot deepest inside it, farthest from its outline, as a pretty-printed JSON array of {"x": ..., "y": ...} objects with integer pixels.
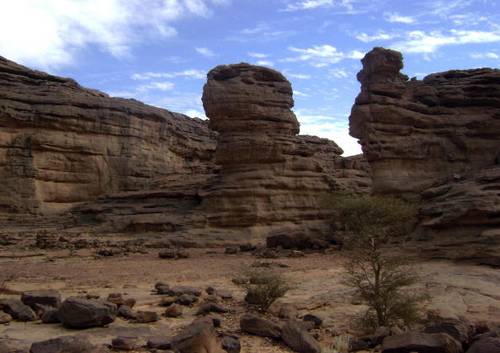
[
  {"x": 268, "y": 175},
  {"x": 62, "y": 144},
  {"x": 435, "y": 140},
  {"x": 421, "y": 342},
  {"x": 258, "y": 326},
  {"x": 66, "y": 344},
  {"x": 83, "y": 313}
]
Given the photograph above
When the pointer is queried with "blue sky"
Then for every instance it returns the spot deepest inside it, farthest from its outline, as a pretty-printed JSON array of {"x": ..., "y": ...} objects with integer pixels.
[{"x": 158, "y": 51}]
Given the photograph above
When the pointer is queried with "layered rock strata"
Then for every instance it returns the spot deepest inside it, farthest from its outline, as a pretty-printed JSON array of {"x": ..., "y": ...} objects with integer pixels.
[
  {"x": 269, "y": 177},
  {"x": 62, "y": 144},
  {"x": 436, "y": 141}
]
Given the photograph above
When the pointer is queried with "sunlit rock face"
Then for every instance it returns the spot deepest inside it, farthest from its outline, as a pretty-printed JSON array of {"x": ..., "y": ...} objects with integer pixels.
[
  {"x": 269, "y": 176},
  {"x": 417, "y": 134},
  {"x": 437, "y": 141},
  {"x": 62, "y": 144}
]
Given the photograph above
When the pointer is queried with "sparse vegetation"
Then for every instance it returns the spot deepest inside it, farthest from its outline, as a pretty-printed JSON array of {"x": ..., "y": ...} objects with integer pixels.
[
  {"x": 341, "y": 344},
  {"x": 379, "y": 278},
  {"x": 263, "y": 287}
]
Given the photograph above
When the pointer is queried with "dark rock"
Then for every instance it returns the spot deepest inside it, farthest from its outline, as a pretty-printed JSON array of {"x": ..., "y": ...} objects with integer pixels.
[
  {"x": 225, "y": 294},
  {"x": 50, "y": 316},
  {"x": 42, "y": 297},
  {"x": 83, "y": 313},
  {"x": 180, "y": 290},
  {"x": 122, "y": 343},
  {"x": 314, "y": 319},
  {"x": 144, "y": 317},
  {"x": 65, "y": 344},
  {"x": 258, "y": 326},
  {"x": 116, "y": 298},
  {"x": 457, "y": 329},
  {"x": 485, "y": 345},
  {"x": 298, "y": 339},
  {"x": 247, "y": 247},
  {"x": 168, "y": 254},
  {"x": 231, "y": 250},
  {"x": 208, "y": 308},
  {"x": 173, "y": 311},
  {"x": 162, "y": 343},
  {"x": 187, "y": 299},
  {"x": 126, "y": 313},
  {"x": 18, "y": 310},
  {"x": 200, "y": 336},
  {"x": 231, "y": 344},
  {"x": 210, "y": 290},
  {"x": 297, "y": 241},
  {"x": 422, "y": 343},
  {"x": 167, "y": 301}
]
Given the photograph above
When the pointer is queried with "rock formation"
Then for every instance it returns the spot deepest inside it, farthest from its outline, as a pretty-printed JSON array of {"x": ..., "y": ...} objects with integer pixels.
[
  {"x": 268, "y": 177},
  {"x": 436, "y": 141},
  {"x": 62, "y": 144}
]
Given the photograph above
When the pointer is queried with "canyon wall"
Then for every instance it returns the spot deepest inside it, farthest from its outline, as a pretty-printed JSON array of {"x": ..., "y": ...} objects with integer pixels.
[
  {"x": 435, "y": 141},
  {"x": 62, "y": 144}
]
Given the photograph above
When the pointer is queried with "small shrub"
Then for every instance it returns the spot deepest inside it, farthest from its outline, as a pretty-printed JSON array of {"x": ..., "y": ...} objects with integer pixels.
[
  {"x": 379, "y": 279},
  {"x": 263, "y": 287},
  {"x": 341, "y": 344}
]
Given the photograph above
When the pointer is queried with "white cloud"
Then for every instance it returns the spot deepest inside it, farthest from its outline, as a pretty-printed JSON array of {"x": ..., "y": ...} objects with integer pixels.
[
  {"x": 322, "y": 55},
  {"x": 265, "y": 63},
  {"x": 298, "y": 93},
  {"x": 330, "y": 128},
  {"x": 49, "y": 33},
  {"x": 315, "y": 4},
  {"x": 298, "y": 76},
  {"x": 380, "y": 35},
  {"x": 261, "y": 32},
  {"x": 205, "y": 52},
  {"x": 429, "y": 42},
  {"x": 397, "y": 18},
  {"x": 339, "y": 73},
  {"x": 191, "y": 73},
  {"x": 195, "y": 113},
  {"x": 489, "y": 55},
  {"x": 160, "y": 86},
  {"x": 258, "y": 55}
]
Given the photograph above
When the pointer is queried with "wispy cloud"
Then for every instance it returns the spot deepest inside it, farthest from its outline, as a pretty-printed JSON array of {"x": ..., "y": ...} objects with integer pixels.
[
  {"x": 378, "y": 36},
  {"x": 258, "y": 55},
  {"x": 339, "y": 73},
  {"x": 191, "y": 73},
  {"x": 298, "y": 76},
  {"x": 262, "y": 32},
  {"x": 489, "y": 55},
  {"x": 322, "y": 55},
  {"x": 265, "y": 63},
  {"x": 205, "y": 52},
  {"x": 315, "y": 4},
  {"x": 159, "y": 86},
  {"x": 429, "y": 42},
  {"x": 49, "y": 33},
  {"x": 397, "y": 18}
]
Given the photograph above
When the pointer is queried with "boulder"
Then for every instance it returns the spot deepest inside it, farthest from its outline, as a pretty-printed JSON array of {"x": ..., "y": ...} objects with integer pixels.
[
  {"x": 41, "y": 297},
  {"x": 18, "y": 310},
  {"x": 50, "y": 316},
  {"x": 159, "y": 342},
  {"x": 145, "y": 317},
  {"x": 315, "y": 319},
  {"x": 126, "y": 312},
  {"x": 173, "y": 311},
  {"x": 123, "y": 343},
  {"x": 198, "y": 337},
  {"x": 298, "y": 339},
  {"x": 485, "y": 345},
  {"x": 458, "y": 329},
  {"x": 187, "y": 299},
  {"x": 258, "y": 326},
  {"x": 231, "y": 344},
  {"x": 209, "y": 307},
  {"x": 422, "y": 343},
  {"x": 180, "y": 290},
  {"x": 84, "y": 313}
]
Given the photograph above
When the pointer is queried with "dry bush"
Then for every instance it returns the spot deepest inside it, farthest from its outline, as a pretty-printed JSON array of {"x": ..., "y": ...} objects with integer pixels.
[
  {"x": 263, "y": 287},
  {"x": 379, "y": 279}
]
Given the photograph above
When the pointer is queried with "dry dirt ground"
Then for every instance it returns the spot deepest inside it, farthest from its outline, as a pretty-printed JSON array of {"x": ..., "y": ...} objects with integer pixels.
[{"x": 455, "y": 289}]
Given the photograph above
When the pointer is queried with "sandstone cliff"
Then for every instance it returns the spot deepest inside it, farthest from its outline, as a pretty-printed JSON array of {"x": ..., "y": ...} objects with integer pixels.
[
  {"x": 436, "y": 141},
  {"x": 62, "y": 144}
]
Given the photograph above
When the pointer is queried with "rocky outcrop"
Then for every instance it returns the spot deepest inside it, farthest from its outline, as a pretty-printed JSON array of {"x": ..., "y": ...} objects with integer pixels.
[
  {"x": 268, "y": 176},
  {"x": 436, "y": 141},
  {"x": 62, "y": 144},
  {"x": 419, "y": 134}
]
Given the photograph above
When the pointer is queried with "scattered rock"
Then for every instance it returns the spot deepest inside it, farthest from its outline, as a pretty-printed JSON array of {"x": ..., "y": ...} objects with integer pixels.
[
  {"x": 225, "y": 294},
  {"x": 167, "y": 301},
  {"x": 168, "y": 254},
  {"x": 298, "y": 339},
  {"x": 209, "y": 307},
  {"x": 173, "y": 311},
  {"x": 258, "y": 326},
  {"x": 126, "y": 313},
  {"x": 41, "y": 297},
  {"x": 457, "y": 329},
  {"x": 122, "y": 343},
  {"x": 231, "y": 250},
  {"x": 66, "y": 344},
  {"x": 287, "y": 311},
  {"x": 18, "y": 310},
  {"x": 116, "y": 298},
  {"x": 314, "y": 319},
  {"x": 198, "y": 337},
  {"x": 231, "y": 344},
  {"x": 50, "y": 316},
  {"x": 144, "y": 317},
  {"x": 187, "y": 299},
  {"x": 83, "y": 313},
  {"x": 247, "y": 247},
  {"x": 5, "y": 318},
  {"x": 180, "y": 290},
  {"x": 162, "y": 343},
  {"x": 485, "y": 345},
  {"x": 422, "y": 343}
]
